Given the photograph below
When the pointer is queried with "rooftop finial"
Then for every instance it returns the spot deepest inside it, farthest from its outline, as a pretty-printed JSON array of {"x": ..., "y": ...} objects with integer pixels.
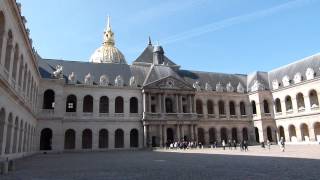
[
  {"x": 149, "y": 43},
  {"x": 108, "y": 24}
]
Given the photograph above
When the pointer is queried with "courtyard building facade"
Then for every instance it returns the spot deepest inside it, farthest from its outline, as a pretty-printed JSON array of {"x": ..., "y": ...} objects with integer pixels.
[{"x": 105, "y": 103}]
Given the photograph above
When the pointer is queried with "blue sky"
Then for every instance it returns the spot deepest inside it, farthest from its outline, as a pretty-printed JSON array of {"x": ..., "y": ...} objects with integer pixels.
[{"x": 234, "y": 36}]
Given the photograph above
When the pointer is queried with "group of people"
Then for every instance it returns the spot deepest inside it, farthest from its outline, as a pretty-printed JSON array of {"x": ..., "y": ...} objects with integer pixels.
[{"x": 232, "y": 144}]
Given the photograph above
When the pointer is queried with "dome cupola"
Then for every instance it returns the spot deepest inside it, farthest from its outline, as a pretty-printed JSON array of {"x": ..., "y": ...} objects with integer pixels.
[{"x": 108, "y": 53}]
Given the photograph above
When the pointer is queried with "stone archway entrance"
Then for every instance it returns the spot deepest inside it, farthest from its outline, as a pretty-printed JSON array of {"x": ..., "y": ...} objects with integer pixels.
[
  {"x": 46, "y": 139},
  {"x": 256, "y": 130},
  {"x": 292, "y": 133},
  {"x": 269, "y": 134},
  {"x": 70, "y": 139},
  {"x": 119, "y": 138},
  {"x": 170, "y": 135},
  {"x": 134, "y": 138},
  {"x": 87, "y": 139}
]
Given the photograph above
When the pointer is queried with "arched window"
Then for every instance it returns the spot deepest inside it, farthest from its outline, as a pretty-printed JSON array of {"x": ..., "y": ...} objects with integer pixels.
[
  {"x": 224, "y": 134},
  {"x": 134, "y": 138},
  {"x": 86, "y": 139},
  {"x": 25, "y": 74},
  {"x": 169, "y": 105},
  {"x": 278, "y": 105},
  {"x": 254, "y": 107},
  {"x": 119, "y": 105},
  {"x": 45, "y": 138},
  {"x": 314, "y": 102},
  {"x": 8, "y": 51},
  {"x": 15, "y": 62},
  {"x": 104, "y": 104},
  {"x": 210, "y": 107},
  {"x": 2, "y": 29},
  {"x": 300, "y": 101},
  {"x": 232, "y": 108},
  {"x": 71, "y": 104},
  {"x": 199, "y": 106},
  {"x": 48, "y": 99},
  {"x": 242, "y": 108},
  {"x": 201, "y": 136},
  {"x": 221, "y": 107},
  {"x": 119, "y": 138},
  {"x": 133, "y": 105},
  {"x": 245, "y": 134},
  {"x": 20, "y": 71},
  {"x": 288, "y": 103},
  {"x": 281, "y": 133},
  {"x": 234, "y": 133},
  {"x": 212, "y": 135},
  {"x": 88, "y": 104},
  {"x": 70, "y": 139},
  {"x": 266, "y": 106},
  {"x": 269, "y": 133},
  {"x": 103, "y": 138}
]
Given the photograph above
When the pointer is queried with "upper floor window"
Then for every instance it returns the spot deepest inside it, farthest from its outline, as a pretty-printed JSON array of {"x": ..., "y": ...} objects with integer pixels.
[
  {"x": 254, "y": 107},
  {"x": 266, "y": 106},
  {"x": 221, "y": 107},
  {"x": 169, "y": 105},
  {"x": 119, "y": 104},
  {"x": 199, "y": 106},
  {"x": 48, "y": 99},
  {"x": 71, "y": 103},
  {"x": 88, "y": 104},
  {"x": 242, "y": 108},
  {"x": 210, "y": 107},
  {"x": 278, "y": 105},
  {"x": 104, "y": 104},
  {"x": 133, "y": 105},
  {"x": 232, "y": 108}
]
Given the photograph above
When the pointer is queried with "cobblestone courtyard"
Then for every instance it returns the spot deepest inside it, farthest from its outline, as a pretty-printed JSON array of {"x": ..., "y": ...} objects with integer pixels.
[{"x": 298, "y": 162}]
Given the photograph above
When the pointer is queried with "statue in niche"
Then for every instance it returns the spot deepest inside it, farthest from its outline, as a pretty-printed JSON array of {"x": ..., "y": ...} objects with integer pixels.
[
  {"x": 132, "y": 82},
  {"x": 229, "y": 87},
  {"x": 309, "y": 73},
  {"x": 208, "y": 87},
  {"x": 58, "y": 73},
  {"x": 240, "y": 88},
  {"x": 219, "y": 87},
  {"x": 275, "y": 84},
  {"x": 72, "y": 78},
  {"x": 297, "y": 78},
  {"x": 104, "y": 80},
  {"x": 88, "y": 79},
  {"x": 118, "y": 81},
  {"x": 196, "y": 85},
  {"x": 286, "y": 81}
]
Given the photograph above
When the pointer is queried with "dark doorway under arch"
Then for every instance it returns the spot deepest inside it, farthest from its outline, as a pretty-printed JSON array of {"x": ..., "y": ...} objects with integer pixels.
[
  {"x": 170, "y": 135},
  {"x": 46, "y": 139}
]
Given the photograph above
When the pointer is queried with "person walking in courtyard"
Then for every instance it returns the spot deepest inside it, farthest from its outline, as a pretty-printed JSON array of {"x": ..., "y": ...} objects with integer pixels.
[
  {"x": 245, "y": 144},
  {"x": 230, "y": 144},
  {"x": 241, "y": 145},
  {"x": 223, "y": 145},
  {"x": 234, "y": 144},
  {"x": 282, "y": 144},
  {"x": 268, "y": 144}
]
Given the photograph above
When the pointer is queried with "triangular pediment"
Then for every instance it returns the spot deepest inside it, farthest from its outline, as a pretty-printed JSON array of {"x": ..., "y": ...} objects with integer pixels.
[{"x": 169, "y": 83}]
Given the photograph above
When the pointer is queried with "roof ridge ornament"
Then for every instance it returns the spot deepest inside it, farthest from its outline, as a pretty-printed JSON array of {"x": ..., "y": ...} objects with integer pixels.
[
  {"x": 149, "y": 41},
  {"x": 108, "y": 39}
]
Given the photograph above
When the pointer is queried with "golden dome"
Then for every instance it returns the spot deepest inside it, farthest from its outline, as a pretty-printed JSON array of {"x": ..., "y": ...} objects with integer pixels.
[{"x": 108, "y": 53}]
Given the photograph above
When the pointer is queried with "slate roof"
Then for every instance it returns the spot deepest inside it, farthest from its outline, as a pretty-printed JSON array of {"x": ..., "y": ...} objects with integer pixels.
[
  {"x": 213, "y": 78},
  {"x": 147, "y": 57},
  {"x": 145, "y": 72},
  {"x": 295, "y": 67}
]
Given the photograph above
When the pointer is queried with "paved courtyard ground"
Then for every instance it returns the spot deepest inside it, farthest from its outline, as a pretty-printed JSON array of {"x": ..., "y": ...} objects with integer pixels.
[{"x": 297, "y": 162}]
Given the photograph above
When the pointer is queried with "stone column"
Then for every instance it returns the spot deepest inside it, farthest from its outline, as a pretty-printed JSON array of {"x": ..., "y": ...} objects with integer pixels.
[
  {"x": 237, "y": 107},
  {"x": 307, "y": 102},
  {"x": 178, "y": 132},
  {"x": 180, "y": 104},
  {"x": 286, "y": 134},
  {"x": 159, "y": 103},
  {"x": 96, "y": 103},
  {"x": 312, "y": 135},
  {"x": 164, "y": 134},
  {"x": 193, "y": 104},
  {"x": 18, "y": 137},
  {"x": 4, "y": 138},
  {"x": 160, "y": 135},
  {"x": 145, "y": 135},
  {"x": 163, "y": 103},
  {"x": 78, "y": 139},
  {"x": 227, "y": 109},
  {"x": 182, "y": 131},
  {"x": 4, "y": 47},
  {"x": 95, "y": 139},
  {"x": 196, "y": 133},
  {"x": 192, "y": 132},
  {"x": 149, "y": 102},
  {"x": 111, "y": 139},
  {"x": 206, "y": 137},
  {"x": 80, "y": 106},
  {"x": 294, "y": 104},
  {"x": 144, "y": 100},
  {"x": 205, "y": 109},
  {"x": 216, "y": 109},
  {"x": 218, "y": 135},
  {"x": 239, "y": 135},
  {"x": 189, "y": 110},
  {"x": 177, "y": 103},
  {"x": 298, "y": 132}
]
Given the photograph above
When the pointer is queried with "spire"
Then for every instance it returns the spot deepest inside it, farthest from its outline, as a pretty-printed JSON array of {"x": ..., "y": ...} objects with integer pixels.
[
  {"x": 108, "y": 39},
  {"x": 108, "y": 24},
  {"x": 150, "y": 43}
]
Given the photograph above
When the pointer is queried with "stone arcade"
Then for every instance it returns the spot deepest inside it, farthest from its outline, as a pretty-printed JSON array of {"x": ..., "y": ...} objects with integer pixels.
[{"x": 56, "y": 105}]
